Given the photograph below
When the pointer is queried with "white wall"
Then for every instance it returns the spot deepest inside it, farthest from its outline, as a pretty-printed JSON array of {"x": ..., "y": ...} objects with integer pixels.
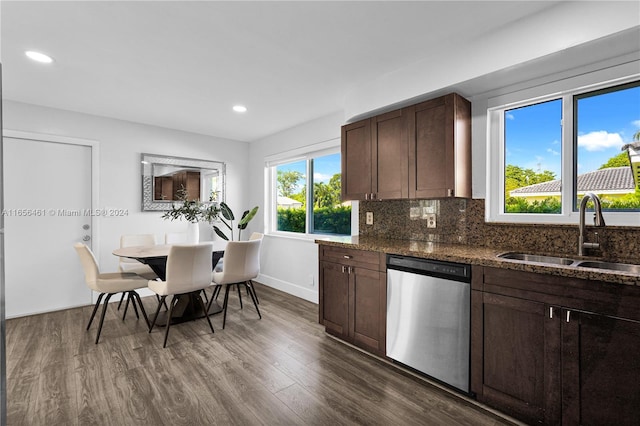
[
  {"x": 288, "y": 264},
  {"x": 120, "y": 146}
]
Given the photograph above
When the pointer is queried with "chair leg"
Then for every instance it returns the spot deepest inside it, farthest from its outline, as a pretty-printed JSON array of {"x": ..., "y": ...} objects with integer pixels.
[
  {"x": 206, "y": 312},
  {"x": 126, "y": 306},
  {"x": 95, "y": 309},
  {"x": 250, "y": 283},
  {"x": 136, "y": 297},
  {"x": 214, "y": 296},
  {"x": 171, "y": 305},
  {"x": 253, "y": 297},
  {"x": 104, "y": 311},
  {"x": 121, "y": 299},
  {"x": 239, "y": 295},
  {"x": 134, "y": 304},
  {"x": 155, "y": 317},
  {"x": 163, "y": 302},
  {"x": 224, "y": 305}
]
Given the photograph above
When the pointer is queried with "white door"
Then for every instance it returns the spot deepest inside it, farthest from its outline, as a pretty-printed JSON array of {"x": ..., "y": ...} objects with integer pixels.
[{"x": 47, "y": 189}]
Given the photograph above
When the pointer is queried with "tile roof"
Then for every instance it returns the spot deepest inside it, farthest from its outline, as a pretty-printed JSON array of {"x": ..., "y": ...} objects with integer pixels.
[{"x": 611, "y": 179}]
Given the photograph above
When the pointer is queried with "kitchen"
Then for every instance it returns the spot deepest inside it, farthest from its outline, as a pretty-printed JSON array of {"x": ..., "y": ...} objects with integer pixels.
[{"x": 127, "y": 139}]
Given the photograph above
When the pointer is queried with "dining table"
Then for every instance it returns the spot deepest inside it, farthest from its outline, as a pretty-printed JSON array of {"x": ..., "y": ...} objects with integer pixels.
[{"x": 187, "y": 308}]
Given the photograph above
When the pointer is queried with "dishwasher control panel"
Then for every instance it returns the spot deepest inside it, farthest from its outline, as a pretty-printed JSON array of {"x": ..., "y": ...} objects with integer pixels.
[{"x": 457, "y": 271}]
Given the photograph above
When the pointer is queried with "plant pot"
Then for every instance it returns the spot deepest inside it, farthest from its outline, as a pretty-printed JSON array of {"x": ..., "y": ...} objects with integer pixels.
[{"x": 193, "y": 233}]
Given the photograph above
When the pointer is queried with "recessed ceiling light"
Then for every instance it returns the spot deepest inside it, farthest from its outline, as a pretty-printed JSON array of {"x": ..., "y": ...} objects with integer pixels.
[
  {"x": 39, "y": 57},
  {"x": 240, "y": 108}
]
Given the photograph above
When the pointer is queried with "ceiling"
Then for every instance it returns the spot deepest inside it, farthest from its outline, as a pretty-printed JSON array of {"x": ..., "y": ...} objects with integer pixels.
[{"x": 183, "y": 65}]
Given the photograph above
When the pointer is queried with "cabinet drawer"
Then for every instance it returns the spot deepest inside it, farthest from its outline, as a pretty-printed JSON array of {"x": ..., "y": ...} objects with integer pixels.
[{"x": 346, "y": 256}]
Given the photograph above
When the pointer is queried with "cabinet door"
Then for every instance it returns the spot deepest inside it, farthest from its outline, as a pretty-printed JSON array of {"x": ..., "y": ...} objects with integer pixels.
[
  {"x": 390, "y": 156},
  {"x": 601, "y": 370},
  {"x": 368, "y": 291},
  {"x": 440, "y": 148},
  {"x": 356, "y": 160},
  {"x": 335, "y": 298},
  {"x": 521, "y": 358}
]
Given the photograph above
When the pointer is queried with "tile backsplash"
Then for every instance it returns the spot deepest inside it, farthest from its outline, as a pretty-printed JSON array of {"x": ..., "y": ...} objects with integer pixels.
[{"x": 461, "y": 221}]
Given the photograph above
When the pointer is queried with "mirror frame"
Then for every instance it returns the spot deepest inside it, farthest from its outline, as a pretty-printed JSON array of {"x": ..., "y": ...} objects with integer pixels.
[{"x": 148, "y": 160}]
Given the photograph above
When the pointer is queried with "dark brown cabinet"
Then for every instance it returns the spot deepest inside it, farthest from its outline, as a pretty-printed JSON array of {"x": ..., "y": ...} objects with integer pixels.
[
  {"x": 353, "y": 296},
  {"x": 421, "y": 151},
  {"x": 542, "y": 354},
  {"x": 439, "y": 132},
  {"x": 520, "y": 355},
  {"x": 600, "y": 369},
  {"x": 374, "y": 158}
]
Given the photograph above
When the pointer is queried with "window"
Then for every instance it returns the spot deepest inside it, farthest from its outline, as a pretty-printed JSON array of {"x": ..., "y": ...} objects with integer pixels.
[
  {"x": 606, "y": 121},
  {"x": 532, "y": 163},
  {"x": 307, "y": 195},
  {"x": 545, "y": 153}
]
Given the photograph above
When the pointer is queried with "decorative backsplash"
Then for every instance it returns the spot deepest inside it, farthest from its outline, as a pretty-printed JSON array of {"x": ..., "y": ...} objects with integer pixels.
[{"x": 461, "y": 221}]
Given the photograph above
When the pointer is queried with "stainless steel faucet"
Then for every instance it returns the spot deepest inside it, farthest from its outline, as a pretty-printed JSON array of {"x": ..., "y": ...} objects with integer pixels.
[{"x": 598, "y": 220}]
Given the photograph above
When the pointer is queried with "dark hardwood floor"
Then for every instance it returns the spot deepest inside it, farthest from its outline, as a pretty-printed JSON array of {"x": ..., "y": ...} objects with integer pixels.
[{"x": 281, "y": 370}]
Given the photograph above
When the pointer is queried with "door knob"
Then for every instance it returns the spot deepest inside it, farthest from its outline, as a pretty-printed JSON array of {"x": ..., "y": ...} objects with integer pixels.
[{"x": 86, "y": 238}]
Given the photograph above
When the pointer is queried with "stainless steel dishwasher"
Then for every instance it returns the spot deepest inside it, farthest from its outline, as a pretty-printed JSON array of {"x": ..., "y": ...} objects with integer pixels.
[{"x": 428, "y": 317}]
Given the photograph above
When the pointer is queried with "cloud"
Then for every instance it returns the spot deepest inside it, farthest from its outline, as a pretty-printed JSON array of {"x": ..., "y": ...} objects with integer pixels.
[
  {"x": 549, "y": 150},
  {"x": 509, "y": 116},
  {"x": 599, "y": 141},
  {"x": 636, "y": 123},
  {"x": 320, "y": 177}
]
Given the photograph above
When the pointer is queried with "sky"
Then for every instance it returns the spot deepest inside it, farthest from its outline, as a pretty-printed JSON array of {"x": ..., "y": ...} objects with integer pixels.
[{"x": 605, "y": 123}]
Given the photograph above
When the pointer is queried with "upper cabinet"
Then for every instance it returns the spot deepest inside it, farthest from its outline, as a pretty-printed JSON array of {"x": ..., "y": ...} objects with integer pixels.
[
  {"x": 440, "y": 148},
  {"x": 421, "y": 151},
  {"x": 375, "y": 158}
]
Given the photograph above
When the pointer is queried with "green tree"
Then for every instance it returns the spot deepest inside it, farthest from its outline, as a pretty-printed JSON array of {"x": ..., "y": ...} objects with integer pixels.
[
  {"x": 288, "y": 182},
  {"x": 620, "y": 160},
  {"x": 517, "y": 177}
]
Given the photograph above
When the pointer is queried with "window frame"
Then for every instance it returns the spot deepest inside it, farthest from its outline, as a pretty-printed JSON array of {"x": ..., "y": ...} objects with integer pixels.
[
  {"x": 564, "y": 89},
  {"x": 271, "y": 191}
]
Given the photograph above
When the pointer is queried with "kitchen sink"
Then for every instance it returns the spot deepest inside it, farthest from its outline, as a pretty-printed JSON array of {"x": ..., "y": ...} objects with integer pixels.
[
  {"x": 537, "y": 258},
  {"x": 623, "y": 267}
]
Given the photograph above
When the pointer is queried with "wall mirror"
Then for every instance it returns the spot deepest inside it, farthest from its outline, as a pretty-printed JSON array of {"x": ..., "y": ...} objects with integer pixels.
[{"x": 163, "y": 177}]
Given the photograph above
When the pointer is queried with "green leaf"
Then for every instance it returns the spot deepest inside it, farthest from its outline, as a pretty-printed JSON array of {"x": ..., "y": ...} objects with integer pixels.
[
  {"x": 226, "y": 211},
  {"x": 246, "y": 217},
  {"x": 220, "y": 233}
]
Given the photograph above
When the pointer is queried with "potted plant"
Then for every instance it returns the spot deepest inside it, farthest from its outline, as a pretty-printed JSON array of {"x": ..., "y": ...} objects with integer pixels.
[
  {"x": 193, "y": 211},
  {"x": 228, "y": 217}
]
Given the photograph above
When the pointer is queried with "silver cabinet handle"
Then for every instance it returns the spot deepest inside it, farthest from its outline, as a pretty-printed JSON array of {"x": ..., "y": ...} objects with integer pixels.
[
  {"x": 346, "y": 256},
  {"x": 568, "y": 316},
  {"x": 551, "y": 312}
]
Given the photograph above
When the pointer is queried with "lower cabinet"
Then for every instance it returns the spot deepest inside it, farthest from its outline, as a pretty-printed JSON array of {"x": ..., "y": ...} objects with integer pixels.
[
  {"x": 547, "y": 358},
  {"x": 600, "y": 369},
  {"x": 520, "y": 349},
  {"x": 353, "y": 296}
]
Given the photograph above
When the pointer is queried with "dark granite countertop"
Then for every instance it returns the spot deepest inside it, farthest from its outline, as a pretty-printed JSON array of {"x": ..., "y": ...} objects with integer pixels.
[{"x": 477, "y": 255}]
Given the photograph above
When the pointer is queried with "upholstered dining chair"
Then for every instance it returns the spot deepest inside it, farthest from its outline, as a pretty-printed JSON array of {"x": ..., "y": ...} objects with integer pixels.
[
  {"x": 241, "y": 265},
  {"x": 188, "y": 273},
  {"x": 109, "y": 284},
  {"x": 220, "y": 266},
  {"x": 131, "y": 265}
]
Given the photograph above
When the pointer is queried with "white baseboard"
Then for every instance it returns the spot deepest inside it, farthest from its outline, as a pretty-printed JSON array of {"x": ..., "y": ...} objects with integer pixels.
[{"x": 310, "y": 294}]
